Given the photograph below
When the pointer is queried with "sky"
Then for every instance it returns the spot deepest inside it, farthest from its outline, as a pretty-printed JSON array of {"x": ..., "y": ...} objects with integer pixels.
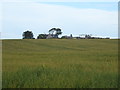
[{"x": 76, "y": 18}]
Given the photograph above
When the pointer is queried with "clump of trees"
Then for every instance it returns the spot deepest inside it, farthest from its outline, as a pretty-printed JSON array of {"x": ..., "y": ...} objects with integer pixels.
[
  {"x": 88, "y": 36},
  {"x": 28, "y": 35},
  {"x": 56, "y": 31}
]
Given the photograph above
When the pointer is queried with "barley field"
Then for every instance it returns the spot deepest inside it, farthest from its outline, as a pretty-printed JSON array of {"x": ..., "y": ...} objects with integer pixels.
[{"x": 60, "y": 63}]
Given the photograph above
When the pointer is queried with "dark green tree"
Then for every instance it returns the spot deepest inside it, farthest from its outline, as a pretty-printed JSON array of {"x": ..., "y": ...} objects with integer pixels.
[
  {"x": 28, "y": 35},
  {"x": 58, "y": 31},
  {"x": 52, "y": 31}
]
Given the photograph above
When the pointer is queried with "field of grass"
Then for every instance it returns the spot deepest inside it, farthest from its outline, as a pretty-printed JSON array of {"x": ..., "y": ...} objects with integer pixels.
[{"x": 60, "y": 63}]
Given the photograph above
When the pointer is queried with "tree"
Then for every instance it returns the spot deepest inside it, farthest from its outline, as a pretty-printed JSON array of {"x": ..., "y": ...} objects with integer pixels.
[
  {"x": 28, "y": 35},
  {"x": 55, "y": 32},
  {"x": 51, "y": 31},
  {"x": 88, "y": 36},
  {"x": 42, "y": 36},
  {"x": 58, "y": 31},
  {"x": 71, "y": 36}
]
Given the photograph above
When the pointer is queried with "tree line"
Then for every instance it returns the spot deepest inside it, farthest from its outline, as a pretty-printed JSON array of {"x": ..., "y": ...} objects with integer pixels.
[{"x": 53, "y": 33}]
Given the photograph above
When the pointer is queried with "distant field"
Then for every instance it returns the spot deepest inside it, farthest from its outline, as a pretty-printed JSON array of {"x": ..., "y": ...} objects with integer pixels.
[{"x": 60, "y": 63}]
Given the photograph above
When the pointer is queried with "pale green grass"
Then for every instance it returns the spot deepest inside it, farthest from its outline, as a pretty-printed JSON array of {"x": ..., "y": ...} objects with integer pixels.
[{"x": 57, "y": 63}]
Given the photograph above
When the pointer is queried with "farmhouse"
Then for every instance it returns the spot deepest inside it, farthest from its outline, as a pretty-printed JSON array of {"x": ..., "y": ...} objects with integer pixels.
[{"x": 52, "y": 36}]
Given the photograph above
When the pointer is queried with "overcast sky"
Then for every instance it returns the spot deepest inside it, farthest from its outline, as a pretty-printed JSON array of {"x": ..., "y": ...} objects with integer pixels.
[{"x": 97, "y": 18}]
